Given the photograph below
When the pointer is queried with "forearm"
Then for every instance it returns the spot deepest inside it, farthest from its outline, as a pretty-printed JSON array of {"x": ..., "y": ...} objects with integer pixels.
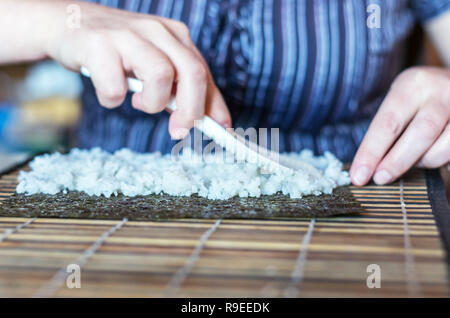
[{"x": 27, "y": 27}]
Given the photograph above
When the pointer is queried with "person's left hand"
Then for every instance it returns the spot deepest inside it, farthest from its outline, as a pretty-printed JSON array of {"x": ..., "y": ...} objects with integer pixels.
[{"x": 410, "y": 128}]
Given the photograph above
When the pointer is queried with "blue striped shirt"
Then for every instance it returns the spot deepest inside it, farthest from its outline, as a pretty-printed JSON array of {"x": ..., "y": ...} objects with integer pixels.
[{"x": 313, "y": 69}]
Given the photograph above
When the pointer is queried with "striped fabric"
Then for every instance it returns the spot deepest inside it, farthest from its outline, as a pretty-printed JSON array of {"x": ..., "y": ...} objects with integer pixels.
[{"x": 311, "y": 68}]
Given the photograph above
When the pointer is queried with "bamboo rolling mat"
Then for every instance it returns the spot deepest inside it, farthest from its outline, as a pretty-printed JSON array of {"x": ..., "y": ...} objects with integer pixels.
[{"x": 395, "y": 230}]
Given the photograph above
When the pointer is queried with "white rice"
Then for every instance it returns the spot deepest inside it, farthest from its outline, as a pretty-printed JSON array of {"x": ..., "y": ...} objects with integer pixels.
[{"x": 97, "y": 172}]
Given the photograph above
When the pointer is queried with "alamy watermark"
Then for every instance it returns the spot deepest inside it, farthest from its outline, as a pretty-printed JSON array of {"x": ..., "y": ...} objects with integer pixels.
[
  {"x": 73, "y": 20},
  {"x": 243, "y": 145},
  {"x": 374, "y": 278},
  {"x": 74, "y": 16},
  {"x": 73, "y": 280},
  {"x": 374, "y": 17}
]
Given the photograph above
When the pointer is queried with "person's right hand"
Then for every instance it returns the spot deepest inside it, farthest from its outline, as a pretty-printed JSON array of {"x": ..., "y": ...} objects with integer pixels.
[{"x": 113, "y": 44}]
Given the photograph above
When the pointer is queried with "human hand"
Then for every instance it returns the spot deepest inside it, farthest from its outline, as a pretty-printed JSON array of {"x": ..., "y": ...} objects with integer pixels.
[
  {"x": 410, "y": 128},
  {"x": 113, "y": 44}
]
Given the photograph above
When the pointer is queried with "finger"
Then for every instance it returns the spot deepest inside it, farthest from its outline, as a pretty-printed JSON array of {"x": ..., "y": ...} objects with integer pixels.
[
  {"x": 157, "y": 88},
  {"x": 182, "y": 33},
  {"x": 389, "y": 122},
  {"x": 192, "y": 77},
  {"x": 179, "y": 30},
  {"x": 107, "y": 75},
  {"x": 439, "y": 153},
  {"x": 176, "y": 130},
  {"x": 153, "y": 68},
  {"x": 421, "y": 133},
  {"x": 216, "y": 107}
]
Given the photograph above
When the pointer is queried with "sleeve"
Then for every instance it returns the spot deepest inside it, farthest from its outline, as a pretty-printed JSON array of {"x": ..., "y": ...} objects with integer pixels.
[{"x": 428, "y": 9}]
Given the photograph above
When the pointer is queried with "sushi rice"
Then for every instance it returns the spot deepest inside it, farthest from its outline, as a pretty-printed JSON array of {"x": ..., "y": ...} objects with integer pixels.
[{"x": 97, "y": 172}]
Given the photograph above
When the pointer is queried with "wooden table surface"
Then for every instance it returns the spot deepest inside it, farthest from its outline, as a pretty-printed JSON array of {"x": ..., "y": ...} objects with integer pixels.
[{"x": 288, "y": 257}]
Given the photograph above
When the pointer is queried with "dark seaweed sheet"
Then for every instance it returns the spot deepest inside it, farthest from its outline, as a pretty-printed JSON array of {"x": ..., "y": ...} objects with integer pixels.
[{"x": 159, "y": 207}]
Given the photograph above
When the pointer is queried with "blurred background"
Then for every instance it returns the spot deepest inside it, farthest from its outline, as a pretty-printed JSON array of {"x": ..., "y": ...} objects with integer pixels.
[{"x": 39, "y": 110}]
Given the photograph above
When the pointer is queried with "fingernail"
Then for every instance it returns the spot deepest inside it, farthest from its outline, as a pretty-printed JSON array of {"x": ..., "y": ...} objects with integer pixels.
[
  {"x": 382, "y": 177},
  {"x": 361, "y": 175},
  {"x": 225, "y": 125}
]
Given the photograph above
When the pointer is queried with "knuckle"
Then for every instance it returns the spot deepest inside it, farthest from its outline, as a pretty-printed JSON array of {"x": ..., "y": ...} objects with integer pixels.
[
  {"x": 98, "y": 40},
  {"x": 369, "y": 158},
  {"x": 393, "y": 165},
  {"x": 439, "y": 108},
  {"x": 390, "y": 124},
  {"x": 433, "y": 160},
  {"x": 151, "y": 27},
  {"x": 164, "y": 74},
  {"x": 112, "y": 93},
  {"x": 416, "y": 82},
  {"x": 107, "y": 103},
  {"x": 182, "y": 29},
  {"x": 193, "y": 113},
  {"x": 157, "y": 26},
  {"x": 154, "y": 109},
  {"x": 153, "y": 103},
  {"x": 199, "y": 72},
  {"x": 415, "y": 75},
  {"x": 151, "y": 108},
  {"x": 428, "y": 125},
  {"x": 98, "y": 48},
  {"x": 125, "y": 34}
]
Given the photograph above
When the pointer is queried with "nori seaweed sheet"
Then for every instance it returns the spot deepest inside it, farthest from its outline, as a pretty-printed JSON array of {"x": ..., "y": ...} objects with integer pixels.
[{"x": 162, "y": 207}]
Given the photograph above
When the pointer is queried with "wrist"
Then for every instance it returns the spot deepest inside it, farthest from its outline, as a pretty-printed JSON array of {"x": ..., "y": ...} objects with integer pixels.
[{"x": 51, "y": 26}]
